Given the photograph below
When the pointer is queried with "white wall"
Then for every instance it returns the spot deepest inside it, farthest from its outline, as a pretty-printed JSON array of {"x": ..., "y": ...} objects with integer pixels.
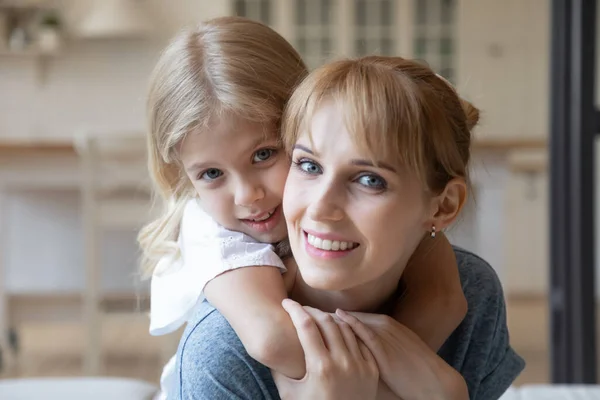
[
  {"x": 502, "y": 66},
  {"x": 93, "y": 84},
  {"x": 44, "y": 255},
  {"x": 527, "y": 231}
]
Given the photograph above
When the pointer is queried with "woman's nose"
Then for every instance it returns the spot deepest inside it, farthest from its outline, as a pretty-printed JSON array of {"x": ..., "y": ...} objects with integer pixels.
[{"x": 325, "y": 207}]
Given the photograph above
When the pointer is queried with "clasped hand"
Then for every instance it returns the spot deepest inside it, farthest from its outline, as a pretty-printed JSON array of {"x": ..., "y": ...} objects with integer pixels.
[
  {"x": 347, "y": 353},
  {"x": 338, "y": 365}
]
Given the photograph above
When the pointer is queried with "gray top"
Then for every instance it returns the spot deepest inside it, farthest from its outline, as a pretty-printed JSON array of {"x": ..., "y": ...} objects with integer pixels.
[{"x": 213, "y": 364}]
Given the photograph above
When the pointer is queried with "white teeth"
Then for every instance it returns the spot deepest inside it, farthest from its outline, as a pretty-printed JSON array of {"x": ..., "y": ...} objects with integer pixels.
[
  {"x": 318, "y": 242},
  {"x": 330, "y": 245}
]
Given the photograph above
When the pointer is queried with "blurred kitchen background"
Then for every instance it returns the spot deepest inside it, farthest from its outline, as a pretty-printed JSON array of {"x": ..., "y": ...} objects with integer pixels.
[{"x": 73, "y": 79}]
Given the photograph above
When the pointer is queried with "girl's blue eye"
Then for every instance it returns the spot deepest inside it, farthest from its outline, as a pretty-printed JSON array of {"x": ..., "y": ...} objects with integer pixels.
[
  {"x": 308, "y": 167},
  {"x": 372, "y": 181},
  {"x": 263, "y": 155},
  {"x": 211, "y": 174}
]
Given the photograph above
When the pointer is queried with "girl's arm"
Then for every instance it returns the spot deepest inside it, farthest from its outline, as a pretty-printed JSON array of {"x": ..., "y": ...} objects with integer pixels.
[
  {"x": 242, "y": 279},
  {"x": 433, "y": 304},
  {"x": 250, "y": 299}
]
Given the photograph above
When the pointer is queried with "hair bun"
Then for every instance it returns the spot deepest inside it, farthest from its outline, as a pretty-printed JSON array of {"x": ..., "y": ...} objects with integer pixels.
[{"x": 471, "y": 113}]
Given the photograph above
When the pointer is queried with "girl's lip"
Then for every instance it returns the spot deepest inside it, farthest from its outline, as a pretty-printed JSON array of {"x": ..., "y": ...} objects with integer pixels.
[
  {"x": 259, "y": 216},
  {"x": 266, "y": 225}
]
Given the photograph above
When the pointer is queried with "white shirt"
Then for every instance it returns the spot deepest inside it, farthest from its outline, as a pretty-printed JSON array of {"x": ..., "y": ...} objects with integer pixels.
[{"x": 206, "y": 250}]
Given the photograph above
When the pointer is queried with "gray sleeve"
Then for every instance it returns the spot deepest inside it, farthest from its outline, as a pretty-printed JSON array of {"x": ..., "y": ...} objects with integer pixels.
[
  {"x": 212, "y": 363},
  {"x": 503, "y": 363},
  {"x": 480, "y": 347}
]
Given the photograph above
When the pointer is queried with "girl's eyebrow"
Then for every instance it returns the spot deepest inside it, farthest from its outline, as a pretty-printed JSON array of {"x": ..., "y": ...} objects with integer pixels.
[
  {"x": 201, "y": 165},
  {"x": 197, "y": 166}
]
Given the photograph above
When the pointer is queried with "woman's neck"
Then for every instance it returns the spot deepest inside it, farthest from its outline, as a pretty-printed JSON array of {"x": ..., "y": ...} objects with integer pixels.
[{"x": 369, "y": 297}]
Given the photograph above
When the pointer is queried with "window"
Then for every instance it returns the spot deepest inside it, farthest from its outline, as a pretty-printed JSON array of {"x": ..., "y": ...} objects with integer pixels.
[
  {"x": 324, "y": 29},
  {"x": 434, "y": 38},
  {"x": 258, "y": 10},
  {"x": 314, "y": 38},
  {"x": 373, "y": 26}
]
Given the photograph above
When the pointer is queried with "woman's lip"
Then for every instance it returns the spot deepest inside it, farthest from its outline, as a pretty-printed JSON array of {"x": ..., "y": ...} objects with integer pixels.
[
  {"x": 321, "y": 254},
  {"x": 327, "y": 236}
]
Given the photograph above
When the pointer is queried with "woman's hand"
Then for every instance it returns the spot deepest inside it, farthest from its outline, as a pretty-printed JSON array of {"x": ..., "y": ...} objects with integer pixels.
[
  {"x": 338, "y": 366},
  {"x": 406, "y": 364}
]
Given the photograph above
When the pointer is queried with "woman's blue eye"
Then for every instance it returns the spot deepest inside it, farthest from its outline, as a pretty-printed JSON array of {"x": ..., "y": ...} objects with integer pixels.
[
  {"x": 309, "y": 167},
  {"x": 211, "y": 174},
  {"x": 263, "y": 155},
  {"x": 372, "y": 181}
]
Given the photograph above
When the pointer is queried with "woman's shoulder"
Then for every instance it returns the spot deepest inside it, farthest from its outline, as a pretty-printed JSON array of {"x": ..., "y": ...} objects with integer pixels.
[
  {"x": 213, "y": 363},
  {"x": 480, "y": 347},
  {"x": 477, "y": 275}
]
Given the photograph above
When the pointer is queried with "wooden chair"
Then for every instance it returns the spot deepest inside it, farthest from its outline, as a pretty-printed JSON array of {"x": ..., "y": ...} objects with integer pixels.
[{"x": 115, "y": 195}]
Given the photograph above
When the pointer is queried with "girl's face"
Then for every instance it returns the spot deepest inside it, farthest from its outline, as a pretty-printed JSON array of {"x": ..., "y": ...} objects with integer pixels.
[
  {"x": 239, "y": 174},
  {"x": 351, "y": 224}
]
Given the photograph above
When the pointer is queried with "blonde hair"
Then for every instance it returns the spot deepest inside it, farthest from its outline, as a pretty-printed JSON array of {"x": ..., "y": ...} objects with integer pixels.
[
  {"x": 393, "y": 108},
  {"x": 224, "y": 67}
]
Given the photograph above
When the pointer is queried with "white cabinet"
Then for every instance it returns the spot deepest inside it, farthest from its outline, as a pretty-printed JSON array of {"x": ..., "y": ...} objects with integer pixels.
[{"x": 527, "y": 224}]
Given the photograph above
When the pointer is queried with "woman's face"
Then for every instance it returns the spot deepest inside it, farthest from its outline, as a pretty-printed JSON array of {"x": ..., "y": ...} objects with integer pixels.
[{"x": 350, "y": 223}]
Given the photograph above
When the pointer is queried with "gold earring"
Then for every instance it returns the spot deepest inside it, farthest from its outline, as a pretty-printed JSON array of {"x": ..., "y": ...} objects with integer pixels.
[{"x": 433, "y": 231}]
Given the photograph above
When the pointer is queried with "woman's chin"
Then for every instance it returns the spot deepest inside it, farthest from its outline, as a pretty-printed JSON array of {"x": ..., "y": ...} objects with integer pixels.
[{"x": 330, "y": 283}]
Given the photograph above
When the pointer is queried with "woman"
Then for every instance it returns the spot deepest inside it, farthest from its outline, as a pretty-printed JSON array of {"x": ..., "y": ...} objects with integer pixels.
[{"x": 380, "y": 151}]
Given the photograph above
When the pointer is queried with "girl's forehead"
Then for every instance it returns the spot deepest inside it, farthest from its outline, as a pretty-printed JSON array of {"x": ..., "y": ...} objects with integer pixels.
[{"x": 235, "y": 125}]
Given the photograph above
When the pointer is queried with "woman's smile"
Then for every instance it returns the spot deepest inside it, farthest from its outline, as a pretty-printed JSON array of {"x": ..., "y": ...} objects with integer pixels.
[{"x": 327, "y": 246}]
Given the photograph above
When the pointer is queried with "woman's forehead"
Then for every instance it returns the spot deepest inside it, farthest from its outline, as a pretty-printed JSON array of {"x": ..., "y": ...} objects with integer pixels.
[{"x": 329, "y": 122}]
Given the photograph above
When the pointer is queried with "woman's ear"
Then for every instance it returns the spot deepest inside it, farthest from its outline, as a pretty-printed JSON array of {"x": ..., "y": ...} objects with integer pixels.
[{"x": 447, "y": 205}]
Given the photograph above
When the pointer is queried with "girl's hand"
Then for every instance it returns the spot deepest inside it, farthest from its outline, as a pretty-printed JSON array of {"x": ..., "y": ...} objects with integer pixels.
[
  {"x": 338, "y": 366},
  {"x": 406, "y": 364}
]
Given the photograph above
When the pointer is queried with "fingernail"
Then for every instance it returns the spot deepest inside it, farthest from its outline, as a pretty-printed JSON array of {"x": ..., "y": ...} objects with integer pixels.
[
  {"x": 341, "y": 313},
  {"x": 287, "y": 303}
]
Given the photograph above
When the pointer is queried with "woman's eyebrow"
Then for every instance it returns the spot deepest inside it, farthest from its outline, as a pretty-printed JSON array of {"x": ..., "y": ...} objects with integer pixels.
[
  {"x": 357, "y": 162},
  {"x": 367, "y": 163},
  {"x": 303, "y": 148}
]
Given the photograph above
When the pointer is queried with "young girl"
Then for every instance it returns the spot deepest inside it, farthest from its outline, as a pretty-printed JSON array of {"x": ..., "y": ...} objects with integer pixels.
[{"x": 215, "y": 105}]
